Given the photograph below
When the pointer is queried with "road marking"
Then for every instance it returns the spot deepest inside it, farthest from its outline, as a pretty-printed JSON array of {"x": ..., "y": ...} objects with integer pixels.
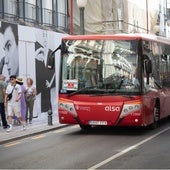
[
  {"x": 38, "y": 137},
  {"x": 127, "y": 150},
  {"x": 11, "y": 144},
  {"x": 74, "y": 126},
  {"x": 58, "y": 131},
  {"x": 62, "y": 130}
]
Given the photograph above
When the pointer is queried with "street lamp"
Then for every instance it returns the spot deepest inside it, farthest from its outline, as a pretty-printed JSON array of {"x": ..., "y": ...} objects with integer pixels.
[
  {"x": 147, "y": 17},
  {"x": 81, "y": 4}
]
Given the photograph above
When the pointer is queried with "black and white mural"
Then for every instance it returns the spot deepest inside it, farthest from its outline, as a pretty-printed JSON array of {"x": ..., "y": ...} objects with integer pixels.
[
  {"x": 45, "y": 78},
  {"x": 23, "y": 52},
  {"x": 9, "y": 58}
]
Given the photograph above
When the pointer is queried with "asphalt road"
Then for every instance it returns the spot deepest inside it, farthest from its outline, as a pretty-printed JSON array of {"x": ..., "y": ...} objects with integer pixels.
[{"x": 100, "y": 148}]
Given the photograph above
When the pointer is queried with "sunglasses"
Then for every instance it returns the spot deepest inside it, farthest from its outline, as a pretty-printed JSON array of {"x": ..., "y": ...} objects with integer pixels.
[{"x": 12, "y": 79}]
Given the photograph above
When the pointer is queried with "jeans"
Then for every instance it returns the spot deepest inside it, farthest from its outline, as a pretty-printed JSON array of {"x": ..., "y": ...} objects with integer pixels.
[
  {"x": 29, "y": 109},
  {"x": 3, "y": 116}
]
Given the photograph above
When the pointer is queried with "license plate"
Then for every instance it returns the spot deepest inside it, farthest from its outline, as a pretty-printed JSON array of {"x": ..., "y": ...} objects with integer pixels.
[{"x": 97, "y": 122}]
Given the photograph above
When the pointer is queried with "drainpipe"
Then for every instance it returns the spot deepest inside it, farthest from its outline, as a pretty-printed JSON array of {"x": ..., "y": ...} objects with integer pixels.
[
  {"x": 71, "y": 17},
  {"x": 147, "y": 16}
]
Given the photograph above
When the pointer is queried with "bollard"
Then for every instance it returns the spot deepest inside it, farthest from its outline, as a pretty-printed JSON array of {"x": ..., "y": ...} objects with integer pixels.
[{"x": 50, "y": 118}]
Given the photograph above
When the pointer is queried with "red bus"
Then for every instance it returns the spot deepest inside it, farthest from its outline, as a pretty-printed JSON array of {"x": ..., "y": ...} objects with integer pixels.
[{"x": 114, "y": 80}]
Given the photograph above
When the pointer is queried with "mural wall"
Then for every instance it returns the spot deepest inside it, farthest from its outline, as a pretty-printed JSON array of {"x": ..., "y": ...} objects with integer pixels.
[
  {"x": 9, "y": 58},
  {"x": 23, "y": 52},
  {"x": 45, "y": 78}
]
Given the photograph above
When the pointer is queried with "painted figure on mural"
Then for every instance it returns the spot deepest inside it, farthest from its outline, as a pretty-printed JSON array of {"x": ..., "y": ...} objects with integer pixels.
[
  {"x": 45, "y": 78},
  {"x": 9, "y": 62},
  {"x": 2, "y": 53}
]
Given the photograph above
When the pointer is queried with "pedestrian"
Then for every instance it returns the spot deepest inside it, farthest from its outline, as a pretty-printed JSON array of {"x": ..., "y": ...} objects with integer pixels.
[
  {"x": 2, "y": 96},
  {"x": 19, "y": 81},
  {"x": 13, "y": 103},
  {"x": 30, "y": 98}
]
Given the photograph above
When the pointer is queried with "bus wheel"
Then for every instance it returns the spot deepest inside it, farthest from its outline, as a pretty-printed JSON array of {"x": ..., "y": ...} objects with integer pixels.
[
  {"x": 156, "y": 116},
  {"x": 85, "y": 127}
]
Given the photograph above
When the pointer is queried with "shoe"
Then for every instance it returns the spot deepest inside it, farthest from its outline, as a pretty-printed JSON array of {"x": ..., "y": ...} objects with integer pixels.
[
  {"x": 9, "y": 129},
  {"x": 30, "y": 122},
  {"x": 24, "y": 127},
  {"x": 5, "y": 127}
]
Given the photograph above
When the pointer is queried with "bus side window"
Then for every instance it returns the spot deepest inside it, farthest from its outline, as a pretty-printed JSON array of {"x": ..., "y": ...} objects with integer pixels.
[{"x": 147, "y": 67}]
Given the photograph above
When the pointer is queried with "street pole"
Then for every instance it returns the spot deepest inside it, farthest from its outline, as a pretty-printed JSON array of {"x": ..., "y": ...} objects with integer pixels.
[
  {"x": 147, "y": 16},
  {"x": 71, "y": 17},
  {"x": 81, "y": 4}
]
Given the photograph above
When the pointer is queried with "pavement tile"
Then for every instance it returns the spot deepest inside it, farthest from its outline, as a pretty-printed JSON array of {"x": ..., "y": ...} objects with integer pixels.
[{"x": 39, "y": 125}]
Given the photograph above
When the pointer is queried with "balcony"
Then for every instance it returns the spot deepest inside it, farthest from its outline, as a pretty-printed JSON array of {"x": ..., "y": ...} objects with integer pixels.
[{"x": 31, "y": 14}]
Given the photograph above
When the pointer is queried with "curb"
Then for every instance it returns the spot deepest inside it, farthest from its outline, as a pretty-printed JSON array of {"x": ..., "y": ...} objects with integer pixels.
[{"x": 32, "y": 134}]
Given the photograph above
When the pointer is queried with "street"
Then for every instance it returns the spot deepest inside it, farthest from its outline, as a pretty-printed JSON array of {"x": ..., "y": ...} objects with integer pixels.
[{"x": 99, "y": 148}]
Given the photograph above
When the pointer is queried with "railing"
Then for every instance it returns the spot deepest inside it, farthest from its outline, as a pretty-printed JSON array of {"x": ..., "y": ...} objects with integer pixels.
[
  {"x": 15, "y": 10},
  {"x": 47, "y": 17},
  {"x": 30, "y": 12},
  {"x": 62, "y": 21},
  {"x": 11, "y": 6},
  {"x": 119, "y": 26}
]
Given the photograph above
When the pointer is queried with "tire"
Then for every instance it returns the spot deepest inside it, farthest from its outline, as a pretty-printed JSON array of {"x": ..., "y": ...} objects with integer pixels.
[
  {"x": 156, "y": 116},
  {"x": 85, "y": 127}
]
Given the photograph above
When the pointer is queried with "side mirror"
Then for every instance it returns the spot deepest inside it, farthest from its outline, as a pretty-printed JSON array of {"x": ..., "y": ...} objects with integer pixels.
[
  {"x": 51, "y": 59},
  {"x": 63, "y": 48},
  {"x": 164, "y": 57}
]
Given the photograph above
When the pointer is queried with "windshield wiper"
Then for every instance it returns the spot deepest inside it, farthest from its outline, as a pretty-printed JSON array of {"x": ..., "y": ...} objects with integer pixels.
[{"x": 81, "y": 90}]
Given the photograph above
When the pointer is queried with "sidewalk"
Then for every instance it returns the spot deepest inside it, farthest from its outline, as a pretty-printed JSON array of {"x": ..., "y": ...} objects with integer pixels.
[{"x": 39, "y": 125}]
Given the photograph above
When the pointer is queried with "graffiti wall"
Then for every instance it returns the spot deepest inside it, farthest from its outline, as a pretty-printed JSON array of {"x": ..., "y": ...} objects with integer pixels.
[{"x": 24, "y": 52}]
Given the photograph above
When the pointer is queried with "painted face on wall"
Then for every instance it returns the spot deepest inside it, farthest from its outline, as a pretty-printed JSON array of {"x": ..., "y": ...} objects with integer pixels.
[
  {"x": 2, "y": 53},
  {"x": 11, "y": 52},
  {"x": 41, "y": 53}
]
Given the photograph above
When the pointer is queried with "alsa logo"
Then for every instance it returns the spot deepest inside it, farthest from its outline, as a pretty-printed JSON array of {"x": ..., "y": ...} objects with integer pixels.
[{"x": 112, "y": 108}]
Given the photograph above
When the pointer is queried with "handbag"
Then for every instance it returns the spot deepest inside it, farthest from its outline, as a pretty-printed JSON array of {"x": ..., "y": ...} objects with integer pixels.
[
  {"x": 29, "y": 98},
  {"x": 9, "y": 97}
]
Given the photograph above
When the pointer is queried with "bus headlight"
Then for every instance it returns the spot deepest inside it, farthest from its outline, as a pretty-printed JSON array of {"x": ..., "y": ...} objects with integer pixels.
[
  {"x": 130, "y": 107},
  {"x": 68, "y": 106}
]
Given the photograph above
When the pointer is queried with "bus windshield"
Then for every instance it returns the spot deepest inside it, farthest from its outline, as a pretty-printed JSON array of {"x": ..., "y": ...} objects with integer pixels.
[{"x": 100, "y": 67}]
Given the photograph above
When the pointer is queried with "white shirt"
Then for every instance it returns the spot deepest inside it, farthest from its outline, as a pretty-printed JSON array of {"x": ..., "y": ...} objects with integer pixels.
[
  {"x": 16, "y": 91},
  {"x": 30, "y": 90}
]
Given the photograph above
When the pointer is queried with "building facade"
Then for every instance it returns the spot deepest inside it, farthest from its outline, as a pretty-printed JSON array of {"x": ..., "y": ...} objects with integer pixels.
[
  {"x": 120, "y": 16},
  {"x": 53, "y": 14},
  {"x": 29, "y": 31}
]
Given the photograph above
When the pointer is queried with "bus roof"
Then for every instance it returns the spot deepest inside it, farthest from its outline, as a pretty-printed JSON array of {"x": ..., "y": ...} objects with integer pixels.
[{"x": 149, "y": 37}]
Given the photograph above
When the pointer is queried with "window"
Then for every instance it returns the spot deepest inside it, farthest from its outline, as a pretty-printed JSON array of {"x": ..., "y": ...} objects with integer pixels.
[
  {"x": 62, "y": 14},
  {"x": 1, "y": 8},
  {"x": 10, "y": 8},
  {"x": 55, "y": 13},
  {"x": 21, "y": 9},
  {"x": 50, "y": 13},
  {"x": 30, "y": 10},
  {"x": 47, "y": 12},
  {"x": 102, "y": 64},
  {"x": 39, "y": 11}
]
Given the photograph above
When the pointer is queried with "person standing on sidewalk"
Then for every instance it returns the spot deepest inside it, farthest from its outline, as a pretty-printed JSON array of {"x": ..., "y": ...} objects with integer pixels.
[
  {"x": 2, "y": 96},
  {"x": 30, "y": 98},
  {"x": 19, "y": 81},
  {"x": 13, "y": 105}
]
